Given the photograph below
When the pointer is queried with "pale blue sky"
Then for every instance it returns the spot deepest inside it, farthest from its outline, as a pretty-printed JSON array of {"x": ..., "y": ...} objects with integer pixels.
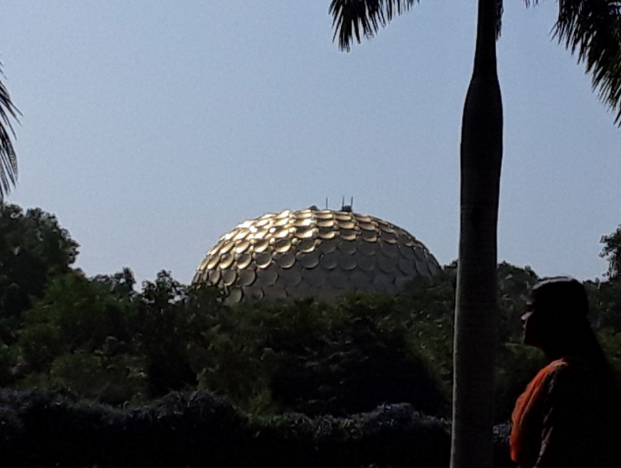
[{"x": 151, "y": 128}]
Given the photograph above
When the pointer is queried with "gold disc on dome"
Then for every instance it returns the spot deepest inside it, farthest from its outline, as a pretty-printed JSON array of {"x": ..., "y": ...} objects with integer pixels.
[
  {"x": 263, "y": 223},
  {"x": 369, "y": 236},
  {"x": 347, "y": 262},
  {"x": 241, "y": 234},
  {"x": 304, "y": 232},
  {"x": 241, "y": 247},
  {"x": 388, "y": 237},
  {"x": 261, "y": 246},
  {"x": 367, "y": 248},
  {"x": 280, "y": 232},
  {"x": 267, "y": 276},
  {"x": 327, "y": 246},
  {"x": 214, "y": 276},
  {"x": 342, "y": 216},
  {"x": 234, "y": 296},
  {"x": 282, "y": 245},
  {"x": 390, "y": 250},
  {"x": 328, "y": 261},
  {"x": 228, "y": 277},
  {"x": 327, "y": 234},
  {"x": 347, "y": 224},
  {"x": 226, "y": 261},
  {"x": 244, "y": 260},
  {"x": 229, "y": 235},
  {"x": 408, "y": 266},
  {"x": 324, "y": 214},
  {"x": 227, "y": 246},
  {"x": 407, "y": 252},
  {"x": 386, "y": 264},
  {"x": 315, "y": 277},
  {"x": 326, "y": 223},
  {"x": 359, "y": 280},
  {"x": 383, "y": 283},
  {"x": 214, "y": 251},
  {"x": 367, "y": 226},
  {"x": 304, "y": 222},
  {"x": 306, "y": 245},
  {"x": 247, "y": 277},
  {"x": 263, "y": 259},
  {"x": 213, "y": 261},
  {"x": 281, "y": 222},
  {"x": 337, "y": 279},
  {"x": 286, "y": 260},
  {"x": 291, "y": 277},
  {"x": 258, "y": 234},
  {"x": 309, "y": 260},
  {"x": 363, "y": 219},
  {"x": 347, "y": 247},
  {"x": 423, "y": 268},
  {"x": 420, "y": 254},
  {"x": 347, "y": 234},
  {"x": 365, "y": 262},
  {"x": 304, "y": 214}
]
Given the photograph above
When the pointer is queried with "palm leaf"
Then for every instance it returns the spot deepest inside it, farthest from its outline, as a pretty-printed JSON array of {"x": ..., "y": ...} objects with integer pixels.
[
  {"x": 592, "y": 29},
  {"x": 354, "y": 19},
  {"x": 8, "y": 159}
]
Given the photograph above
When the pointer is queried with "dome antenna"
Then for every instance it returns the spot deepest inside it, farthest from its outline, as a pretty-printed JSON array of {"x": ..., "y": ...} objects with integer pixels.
[{"x": 347, "y": 208}]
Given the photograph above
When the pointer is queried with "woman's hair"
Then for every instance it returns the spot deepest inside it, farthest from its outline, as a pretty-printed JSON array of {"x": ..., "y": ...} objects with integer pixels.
[
  {"x": 562, "y": 298},
  {"x": 565, "y": 303}
]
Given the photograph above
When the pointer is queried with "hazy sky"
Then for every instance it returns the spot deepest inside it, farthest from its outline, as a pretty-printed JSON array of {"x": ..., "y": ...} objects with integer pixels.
[{"x": 151, "y": 128}]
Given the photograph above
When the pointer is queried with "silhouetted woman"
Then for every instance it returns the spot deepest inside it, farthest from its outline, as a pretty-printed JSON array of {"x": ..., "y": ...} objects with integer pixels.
[{"x": 567, "y": 417}]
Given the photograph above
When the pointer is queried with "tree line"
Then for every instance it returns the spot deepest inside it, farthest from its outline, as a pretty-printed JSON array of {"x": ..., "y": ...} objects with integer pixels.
[{"x": 105, "y": 339}]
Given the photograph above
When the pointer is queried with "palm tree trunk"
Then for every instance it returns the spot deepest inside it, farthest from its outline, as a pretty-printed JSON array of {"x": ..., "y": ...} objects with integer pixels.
[{"x": 476, "y": 305}]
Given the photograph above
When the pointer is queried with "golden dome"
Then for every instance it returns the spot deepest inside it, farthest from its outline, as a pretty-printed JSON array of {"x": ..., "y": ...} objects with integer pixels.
[{"x": 316, "y": 253}]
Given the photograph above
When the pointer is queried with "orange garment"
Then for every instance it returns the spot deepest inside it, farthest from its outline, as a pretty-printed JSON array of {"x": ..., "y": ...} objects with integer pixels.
[
  {"x": 564, "y": 419},
  {"x": 524, "y": 407}
]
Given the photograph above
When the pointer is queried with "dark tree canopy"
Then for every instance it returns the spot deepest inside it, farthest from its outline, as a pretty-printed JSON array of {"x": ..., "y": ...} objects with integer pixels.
[
  {"x": 611, "y": 252},
  {"x": 33, "y": 249}
]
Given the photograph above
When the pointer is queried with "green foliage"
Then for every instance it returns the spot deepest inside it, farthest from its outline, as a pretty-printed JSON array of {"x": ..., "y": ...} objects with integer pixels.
[
  {"x": 33, "y": 249},
  {"x": 610, "y": 252},
  {"x": 170, "y": 326},
  {"x": 514, "y": 286}
]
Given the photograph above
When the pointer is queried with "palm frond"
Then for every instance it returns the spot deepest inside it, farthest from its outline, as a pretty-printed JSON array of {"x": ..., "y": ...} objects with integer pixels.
[
  {"x": 8, "y": 158},
  {"x": 592, "y": 30},
  {"x": 354, "y": 19}
]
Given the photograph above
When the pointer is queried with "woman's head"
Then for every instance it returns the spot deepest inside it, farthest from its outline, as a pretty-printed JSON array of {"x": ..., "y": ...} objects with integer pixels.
[{"x": 556, "y": 314}]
